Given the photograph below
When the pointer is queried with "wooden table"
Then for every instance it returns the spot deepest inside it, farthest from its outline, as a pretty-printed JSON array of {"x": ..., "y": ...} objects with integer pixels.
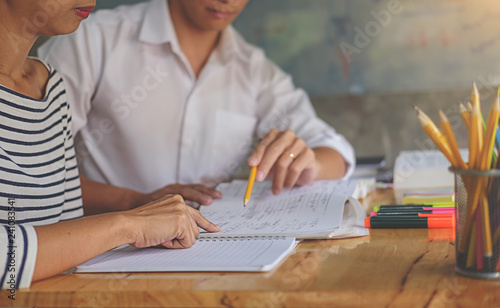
[{"x": 389, "y": 268}]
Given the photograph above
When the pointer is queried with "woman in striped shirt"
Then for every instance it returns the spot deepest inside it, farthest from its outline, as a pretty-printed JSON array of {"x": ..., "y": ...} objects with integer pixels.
[{"x": 42, "y": 231}]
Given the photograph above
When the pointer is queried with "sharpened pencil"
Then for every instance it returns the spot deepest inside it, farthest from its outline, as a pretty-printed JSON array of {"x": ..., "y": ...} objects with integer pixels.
[
  {"x": 437, "y": 136},
  {"x": 450, "y": 137},
  {"x": 464, "y": 113},
  {"x": 251, "y": 181}
]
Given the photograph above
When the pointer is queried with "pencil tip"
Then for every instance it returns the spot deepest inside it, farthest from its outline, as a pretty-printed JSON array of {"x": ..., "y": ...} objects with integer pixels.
[
  {"x": 474, "y": 97},
  {"x": 417, "y": 110},
  {"x": 442, "y": 117}
]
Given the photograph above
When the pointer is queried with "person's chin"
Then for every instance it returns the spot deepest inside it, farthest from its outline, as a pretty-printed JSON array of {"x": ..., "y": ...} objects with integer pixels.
[
  {"x": 217, "y": 26},
  {"x": 66, "y": 28}
]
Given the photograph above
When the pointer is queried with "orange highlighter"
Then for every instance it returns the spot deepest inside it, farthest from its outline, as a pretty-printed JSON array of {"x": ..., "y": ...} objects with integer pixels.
[{"x": 402, "y": 222}]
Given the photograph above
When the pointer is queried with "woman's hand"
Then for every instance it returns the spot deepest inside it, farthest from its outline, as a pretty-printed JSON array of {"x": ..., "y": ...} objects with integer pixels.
[{"x": 167, "y": 221}]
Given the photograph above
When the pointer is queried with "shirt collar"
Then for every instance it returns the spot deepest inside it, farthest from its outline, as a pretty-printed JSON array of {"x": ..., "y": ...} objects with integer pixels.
[
  {"x": 228, "y": 47},
  {"x": 157, "y": 28}
]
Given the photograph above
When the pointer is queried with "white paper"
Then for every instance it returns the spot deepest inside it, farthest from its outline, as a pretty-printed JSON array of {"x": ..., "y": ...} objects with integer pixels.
[
  {"x": 422, "y": 170},
  {"x": 353, "y": 221},
  {"x": 420, "y": 160}
]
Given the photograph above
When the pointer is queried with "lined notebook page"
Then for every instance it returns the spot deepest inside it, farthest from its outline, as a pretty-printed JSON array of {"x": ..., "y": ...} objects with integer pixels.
[
  {"x": 298, "y": 216},
  {"x": 208, "y": 254},
  {"x": 312, "y": 211},
  {"x": 262, "y": 190}
]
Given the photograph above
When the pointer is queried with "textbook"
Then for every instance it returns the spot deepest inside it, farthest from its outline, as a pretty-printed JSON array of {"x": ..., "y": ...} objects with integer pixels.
[
  {"x": 253, "y": 238},
  {"x": 321, "y": 210}
]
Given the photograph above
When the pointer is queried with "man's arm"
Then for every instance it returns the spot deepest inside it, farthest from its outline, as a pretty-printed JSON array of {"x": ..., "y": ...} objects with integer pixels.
[
  {"x": 296, "y": 147},
  {"x": 331, "y": 164},
  {"x": 103, "y": 198}
]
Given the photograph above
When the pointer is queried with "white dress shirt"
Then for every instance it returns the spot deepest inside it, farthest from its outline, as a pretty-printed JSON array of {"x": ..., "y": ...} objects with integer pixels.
[{"x": 143, "y": 120}]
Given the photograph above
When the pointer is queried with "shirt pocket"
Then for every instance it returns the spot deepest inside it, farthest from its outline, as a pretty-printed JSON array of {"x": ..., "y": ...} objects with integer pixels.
[{"x": 233, "y": 138}]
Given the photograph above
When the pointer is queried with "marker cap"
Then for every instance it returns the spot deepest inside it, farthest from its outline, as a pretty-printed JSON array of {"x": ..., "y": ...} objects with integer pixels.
[
  {"x": 367, "y": 222},
  {"x": 441, "y": 222}
]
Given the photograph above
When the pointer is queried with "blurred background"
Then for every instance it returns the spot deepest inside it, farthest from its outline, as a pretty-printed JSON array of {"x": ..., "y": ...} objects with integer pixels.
[{"x": 365, "y": 63}]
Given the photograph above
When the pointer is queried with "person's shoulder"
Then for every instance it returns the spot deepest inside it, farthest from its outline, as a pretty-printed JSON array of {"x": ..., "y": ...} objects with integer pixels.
[
  {"x": 246, "y": 51},
  {"x": 254, "y": 60}
]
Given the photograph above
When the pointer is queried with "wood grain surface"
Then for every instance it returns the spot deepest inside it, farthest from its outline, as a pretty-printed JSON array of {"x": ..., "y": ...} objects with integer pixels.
[{"x": 388, "y": 268}]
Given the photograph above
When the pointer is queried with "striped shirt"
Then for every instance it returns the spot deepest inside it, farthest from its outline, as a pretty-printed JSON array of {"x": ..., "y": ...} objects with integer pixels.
[{"x": 39, "y": 181}]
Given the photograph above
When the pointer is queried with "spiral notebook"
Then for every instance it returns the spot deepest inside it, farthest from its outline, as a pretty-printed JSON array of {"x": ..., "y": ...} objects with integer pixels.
[{"x": 239, "y": 254}]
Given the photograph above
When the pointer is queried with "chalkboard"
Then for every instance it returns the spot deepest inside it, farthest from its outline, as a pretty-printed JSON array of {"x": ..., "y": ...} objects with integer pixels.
[{"x": 336, "y": 47}]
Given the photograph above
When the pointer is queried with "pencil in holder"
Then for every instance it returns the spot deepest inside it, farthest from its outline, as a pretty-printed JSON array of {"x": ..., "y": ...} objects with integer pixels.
[{"x": 477, "y": 196}]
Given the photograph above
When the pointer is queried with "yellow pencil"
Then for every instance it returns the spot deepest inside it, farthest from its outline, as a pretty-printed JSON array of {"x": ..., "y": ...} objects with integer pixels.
[
  {"x": 450, "y": 137},
  {"x": 474, "y": 131},
  {"x": 469, "y": 109},
  {"x": 465, "y": 115},
  {"x": 496, "y": 236},
  {"x": 251, "y": 180},
  {"x": 472, "y": 203},
  {"x": 437, "y": 137},
  {"x": 471, "y": 260},
  {"x": 490, "y": 135},
  {"x": 476, "y": 108},
  {"x": 474, "y": 96},
  {"x": 486, "y": 230},
  {"x": 487, "y": 156}
]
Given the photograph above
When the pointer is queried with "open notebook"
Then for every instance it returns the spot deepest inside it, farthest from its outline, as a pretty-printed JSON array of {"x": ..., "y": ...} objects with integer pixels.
[
  {"x": 253, "y": 238},
  {"x": 321, "y": 210}
]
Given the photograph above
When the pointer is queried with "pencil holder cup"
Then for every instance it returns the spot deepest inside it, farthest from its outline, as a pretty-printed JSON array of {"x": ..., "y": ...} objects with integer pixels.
[{"x": 477, "y": 227}]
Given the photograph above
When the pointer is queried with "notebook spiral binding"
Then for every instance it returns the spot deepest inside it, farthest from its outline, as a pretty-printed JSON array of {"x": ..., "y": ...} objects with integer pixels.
[{"x": 238, "y": 238}]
